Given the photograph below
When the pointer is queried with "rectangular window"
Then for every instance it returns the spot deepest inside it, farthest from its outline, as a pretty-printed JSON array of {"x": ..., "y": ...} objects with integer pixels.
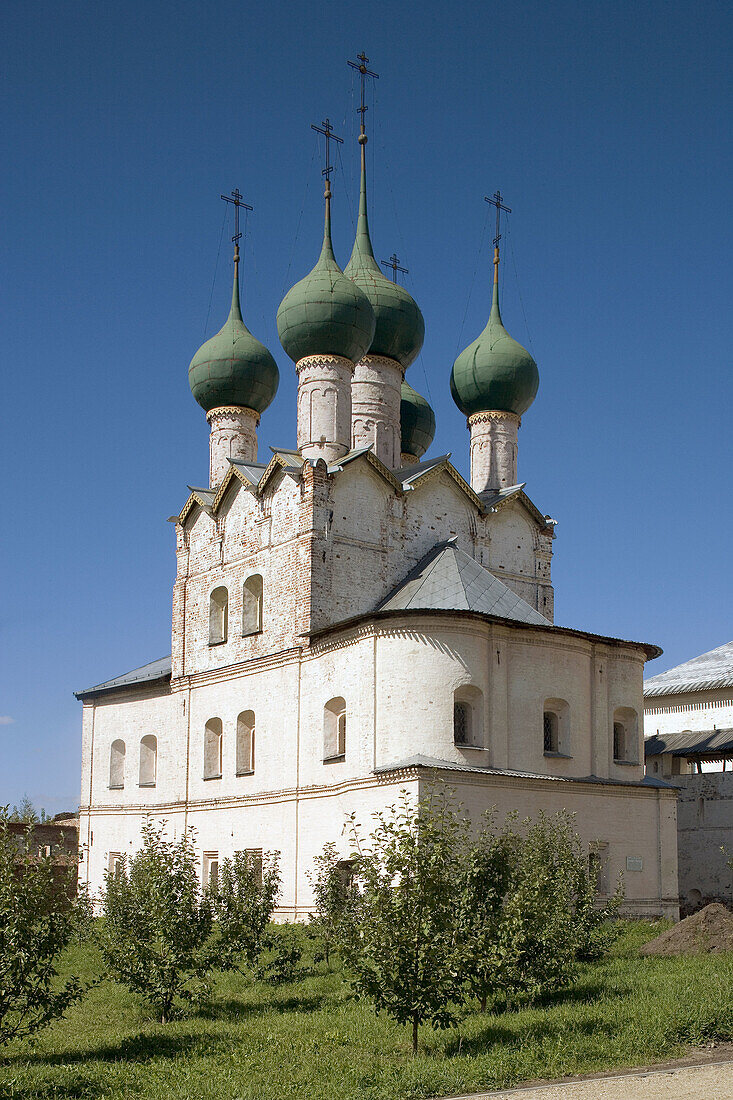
[
  {"x": 210, "y": 870},
  {"x": 113, "y": 861}
]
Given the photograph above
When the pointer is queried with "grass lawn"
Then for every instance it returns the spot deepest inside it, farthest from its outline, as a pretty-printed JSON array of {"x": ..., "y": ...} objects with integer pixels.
[{"x": 312, "y": 1040}]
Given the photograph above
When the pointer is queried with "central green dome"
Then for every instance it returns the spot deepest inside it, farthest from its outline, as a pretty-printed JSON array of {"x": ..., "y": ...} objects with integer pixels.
[
  {"x": 233, "y": 368},
  {"x": 325, "y": 313},
  {"x": 494, "y": 372},
  {"x": 400, "y": 328}
]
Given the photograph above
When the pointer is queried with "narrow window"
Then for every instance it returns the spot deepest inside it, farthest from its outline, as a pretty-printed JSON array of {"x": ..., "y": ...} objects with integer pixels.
[
  {"x": 625, "y": 733},
  {"x": 114, "y": 862},
  {"x": 334, "y": 730},
  {"x": 117, "y": 766},
  {"x": 252, "y": 605},
  {"x": 461, "y": 723},
  {"x": 550, "y": 731},
  {"x": 148, "y": 760},
  {"x": 254, "y": 859},
  {"x": 246, "y": 742},
  {"x": 210, "y": 871},
  {"x": 212, "y": 749},
  {"x": 218, "y": 616}
]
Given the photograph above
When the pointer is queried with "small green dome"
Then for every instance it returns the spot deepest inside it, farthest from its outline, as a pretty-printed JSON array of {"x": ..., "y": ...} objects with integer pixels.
[
  {"x": 325, "y": 313},
  {"x": 400, "y": 328},
  {"x": 494, "y": 372},
  {"x": 233, "y": 368},
  {"x": 417, "y": 422}
]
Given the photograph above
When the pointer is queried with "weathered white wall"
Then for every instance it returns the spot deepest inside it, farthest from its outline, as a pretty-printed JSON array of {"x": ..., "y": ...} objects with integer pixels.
[{"x": 705, "y": 826}]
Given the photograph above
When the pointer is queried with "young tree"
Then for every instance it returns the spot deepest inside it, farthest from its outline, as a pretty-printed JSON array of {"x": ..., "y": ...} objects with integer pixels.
[
  {"x": 155, "y": 932},
  {"x": 35, "y": 925},
  {"x": 26, "y": 812},
  {"x": 243, "y": 903},
  {"x": 331, "y": 894},
  {"x": 401, "y": 938}
]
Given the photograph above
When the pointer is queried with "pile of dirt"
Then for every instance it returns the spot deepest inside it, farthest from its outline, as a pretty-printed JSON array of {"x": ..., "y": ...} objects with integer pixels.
[{"x": 709, "y": 930}]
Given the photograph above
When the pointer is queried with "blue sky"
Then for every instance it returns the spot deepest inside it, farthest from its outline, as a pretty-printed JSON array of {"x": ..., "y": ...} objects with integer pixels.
[{"x": 606, "y": 126}]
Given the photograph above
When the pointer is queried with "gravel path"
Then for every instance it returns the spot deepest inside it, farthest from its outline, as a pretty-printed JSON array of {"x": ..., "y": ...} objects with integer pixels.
[{"x": 713, "y": 1081}]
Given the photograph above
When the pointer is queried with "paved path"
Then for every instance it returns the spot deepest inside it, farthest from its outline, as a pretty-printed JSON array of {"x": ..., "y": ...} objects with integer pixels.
[{"x": 703, "y": 1082}]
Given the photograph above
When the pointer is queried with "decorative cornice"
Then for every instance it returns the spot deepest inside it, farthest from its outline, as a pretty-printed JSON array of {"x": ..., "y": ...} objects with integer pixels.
[
  {"x": 383, "y": 361},
  {"x": 228, "y": 412},
  {"x": 493, "y": 414},
  {"x": 315, "y": 361}
]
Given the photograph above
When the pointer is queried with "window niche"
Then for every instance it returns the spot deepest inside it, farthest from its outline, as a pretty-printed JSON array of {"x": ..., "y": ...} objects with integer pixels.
[
  {"x": 556, "y": 728},
  {"x": 210, "y": 871},
  {"x": 148, "y": 760},
  {"x": 117, "y": 766},
  {"x": 252, "y": 605},
  {"x": 246, "y": 743},
  {"x": 625, "y": 736},
  {"x": 212, "y": 749},
  {"x": 468, "y": 709},
  {"x": 218, "y": 616},
  {"x": 334, "y": 730}
]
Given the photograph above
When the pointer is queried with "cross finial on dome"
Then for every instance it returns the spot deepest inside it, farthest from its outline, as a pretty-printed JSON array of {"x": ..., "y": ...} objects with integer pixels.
[
  {"x": 327, "y": 130},
  {"x": 497, "y": 201},
  {"x": 236, "y": 201},
  {"x": 394, "y": 263},
  {"x": 361, "y": 67}
]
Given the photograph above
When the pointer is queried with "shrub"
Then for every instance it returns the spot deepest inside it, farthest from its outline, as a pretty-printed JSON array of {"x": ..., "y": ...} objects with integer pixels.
[
  {"x": 243, "y": 903},
  {"x": 36, "y": 924},
  {"x": 331, "y": 895},
  {"x": 155, "y": 932}
]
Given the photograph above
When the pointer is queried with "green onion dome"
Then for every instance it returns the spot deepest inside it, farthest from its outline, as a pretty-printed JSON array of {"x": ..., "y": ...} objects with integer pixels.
[
  {"x": 325, "y": 313},
  {"x": 417, "y": 422},
  {"x": 233, "y": 368},
  {"x": 400, "y": 327},
  {"x": 494, "y": 372}
]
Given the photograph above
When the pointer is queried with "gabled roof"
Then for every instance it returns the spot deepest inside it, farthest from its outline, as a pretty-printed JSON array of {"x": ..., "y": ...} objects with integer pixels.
[
  {"x": 703, "y": 673},
  {"x": 493, "y": 500},
  {"x": 449, "y": 578},
  {"x": 146, "y": 674},
  {"x": 707, "y": 744},
  {"x": 369, "y": 456},
  {"x": 421, "y": 473}
]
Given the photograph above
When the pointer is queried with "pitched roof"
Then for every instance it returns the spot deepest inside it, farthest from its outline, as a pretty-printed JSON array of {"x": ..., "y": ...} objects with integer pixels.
[
  {"x": 156, "y": 670},
  {"x": 449, "y": 578},
  {"x": 709, "y": 670},
  {"x": 707, "y": 744}
]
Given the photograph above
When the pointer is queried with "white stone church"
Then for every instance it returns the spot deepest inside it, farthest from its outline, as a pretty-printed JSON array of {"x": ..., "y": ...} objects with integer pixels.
[{"x": 351, "y": 618}]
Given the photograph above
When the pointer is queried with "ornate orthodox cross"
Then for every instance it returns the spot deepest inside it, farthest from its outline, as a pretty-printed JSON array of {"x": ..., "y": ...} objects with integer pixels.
[
  {"x": 236, "y": 200},
  {"x": 327, "y": 130},
  {"x": 496, "y": 200},
  {"x": 361, "y": 67},
  {"x": 394, "y": 263}
]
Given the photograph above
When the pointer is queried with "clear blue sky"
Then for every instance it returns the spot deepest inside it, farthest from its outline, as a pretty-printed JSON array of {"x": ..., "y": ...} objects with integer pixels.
[{"x": 606, "y": 126}]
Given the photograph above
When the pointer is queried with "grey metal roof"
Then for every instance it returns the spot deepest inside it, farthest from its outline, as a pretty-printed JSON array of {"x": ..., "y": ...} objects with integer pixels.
[
  {"x": 156, "y": 670},
  {"x": 420, "y": 761},
  {"x": 449, "y": 578},
  {"x": 408, "y": 474},
  {"x": 496, "y": 496},
  {"x": 703, "y": 673},
  {"x": 253, "y": 471},
  {"x": 708, "y": 744}
]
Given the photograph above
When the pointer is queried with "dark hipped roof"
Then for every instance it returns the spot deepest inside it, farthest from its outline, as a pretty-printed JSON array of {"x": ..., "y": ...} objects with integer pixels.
[
  {"x": 710, "y": 670},
  {"x": 146, "y": 674},
  {"x": 448, "y": 578},
  {"x": 707, "y": 744}
]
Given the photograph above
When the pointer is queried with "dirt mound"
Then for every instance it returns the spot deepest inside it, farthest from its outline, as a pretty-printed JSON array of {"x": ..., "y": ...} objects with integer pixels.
[{"x": 709, "y": 930}]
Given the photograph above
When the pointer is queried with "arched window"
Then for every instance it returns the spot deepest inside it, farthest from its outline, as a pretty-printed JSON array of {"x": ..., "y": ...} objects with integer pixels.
[
  {"x": 212, "y": 749},
  {"x": 556, "y": 727},
  {"x": 252, "y": 605},
  {"x": 468, "y": 709},
  {"x": 625, "y": 735},
  {"x": 334, "y": 729},
  {"x": 148, "y": 760},
  {"x": 246, "y": 742},
  {"x": 117, "y": 766},
  {"x": 218, "y": 616}
]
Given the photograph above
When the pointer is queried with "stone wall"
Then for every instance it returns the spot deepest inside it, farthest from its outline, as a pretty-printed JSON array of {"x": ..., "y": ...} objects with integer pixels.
[{"x": 705, "y": 825}]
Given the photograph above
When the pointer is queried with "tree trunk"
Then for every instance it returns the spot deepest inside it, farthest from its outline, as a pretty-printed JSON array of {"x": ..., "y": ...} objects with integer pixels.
[
  {"x": 415, "y": 1025},
  {"x": 483, "y": 1004}
]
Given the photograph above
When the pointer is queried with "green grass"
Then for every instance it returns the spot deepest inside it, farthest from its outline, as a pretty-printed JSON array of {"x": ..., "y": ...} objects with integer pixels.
[{"x": 312, "y": 1039}]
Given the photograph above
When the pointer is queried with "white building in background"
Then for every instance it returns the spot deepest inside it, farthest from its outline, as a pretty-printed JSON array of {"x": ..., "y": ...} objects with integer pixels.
[
  {"x": 688, "y": 726},
  {"x": 351, "y": 619}
]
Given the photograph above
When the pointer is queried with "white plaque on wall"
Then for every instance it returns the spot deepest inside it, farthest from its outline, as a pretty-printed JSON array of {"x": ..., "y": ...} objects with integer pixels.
[{"x": 634, "y": 863}]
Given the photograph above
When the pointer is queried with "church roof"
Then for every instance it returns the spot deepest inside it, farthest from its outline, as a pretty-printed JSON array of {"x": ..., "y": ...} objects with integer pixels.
[
  {"x": 449, "y": 578},
  {"x": 707, "y": 744},
  {"x": 156, "y": 670},
  {"x": 420, "y": 761},
  {"x": 703, "y": 673}
]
